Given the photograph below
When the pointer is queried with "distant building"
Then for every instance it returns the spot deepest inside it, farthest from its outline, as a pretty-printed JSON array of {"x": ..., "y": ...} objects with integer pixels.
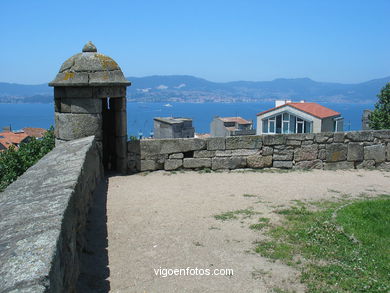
[
  {"x": 169, "y": 127},
  {"x": 365, "y": 120},
  {"x": 10, "y": 138},
  {"x": 231, "y": 126},
  {"x": 302, "y": 117}
]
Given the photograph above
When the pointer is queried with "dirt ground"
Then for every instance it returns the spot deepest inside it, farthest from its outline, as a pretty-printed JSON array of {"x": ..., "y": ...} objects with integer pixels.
[{"x": 165, "y": 220}]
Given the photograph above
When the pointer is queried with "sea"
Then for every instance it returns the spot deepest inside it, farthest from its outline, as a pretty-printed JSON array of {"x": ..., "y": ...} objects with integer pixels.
[{"x": 140, "y": 115}]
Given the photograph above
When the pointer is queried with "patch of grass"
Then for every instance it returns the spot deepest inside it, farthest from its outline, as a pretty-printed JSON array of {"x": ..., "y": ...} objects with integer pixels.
[
  {"x": 205, "y": 170},
  {"x": 249, "y": 195},
  {"x": 230, "y": 215},
  {"x": 345, "y": 245},
  {"x": 263, "y": 222}
]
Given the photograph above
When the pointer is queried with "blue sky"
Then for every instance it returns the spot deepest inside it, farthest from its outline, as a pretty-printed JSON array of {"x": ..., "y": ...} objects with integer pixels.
[{"x": 338, "y": 41}]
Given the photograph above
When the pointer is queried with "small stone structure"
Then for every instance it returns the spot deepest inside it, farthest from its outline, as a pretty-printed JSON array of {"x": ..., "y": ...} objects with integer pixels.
[
  {"x": 342, "y": 150},
  {"x": 90, "y": 99},
  {"x": 170, "y": 127},
  {"x": 42, "y": 219}
]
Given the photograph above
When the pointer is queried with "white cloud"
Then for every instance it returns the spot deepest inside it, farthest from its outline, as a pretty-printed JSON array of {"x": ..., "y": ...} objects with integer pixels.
[{"x": 162, "y": 87}]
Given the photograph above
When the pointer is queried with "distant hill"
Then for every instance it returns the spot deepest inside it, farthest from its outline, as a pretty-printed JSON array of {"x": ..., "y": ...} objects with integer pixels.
[{"x": 184, "y": 88}]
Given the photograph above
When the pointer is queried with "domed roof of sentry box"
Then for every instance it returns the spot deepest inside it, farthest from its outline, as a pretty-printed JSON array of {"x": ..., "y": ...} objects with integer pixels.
[{"x": 90, "y": 68}]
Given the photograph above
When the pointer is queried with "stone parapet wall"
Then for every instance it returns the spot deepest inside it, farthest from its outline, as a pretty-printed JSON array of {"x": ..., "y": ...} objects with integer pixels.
[
  {"x": 42, "y": 219},
  {"x": 342, "y": 150}
]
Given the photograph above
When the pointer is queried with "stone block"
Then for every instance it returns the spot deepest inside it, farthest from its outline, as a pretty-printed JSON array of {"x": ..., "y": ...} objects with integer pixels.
[
  {"x": 266, "y": 151},
  {"x": 74, "y": 126},
  {"x": 118, "y": 104},
  {"x": 110, "y": 91},
  {"x": 170, "y": 146},
  {"x": 228, "y": 163},
  {"x": 204, "y": 154},
  {"x": 173, "y": 164},
  {"x": 384, "y": 166},
  {"x": 382, "y": 134},
  {"x": 274, "y": 139},
  {"x": 388, "y": 151},
  {"x": 339, "y": 165},
  {"x": 148, "y": 165},
  {"x": 73, "y": 92},
  {"x": 121, "y": 146},
  {"x": 306, "y": 153},
  {"x": 323, "y": 137},
  {"x": 307, "y": 142},
  {"x": 368, "y": 164},
  {"x": 282, "y": 164},
  {"x": 339, "y": 137},
  {"x": 293, "y": 142},
  {"x": 283, "y": 157},
  {"x": 177, "y": 156},
  {"x": 259, "y": 161},
  {"x": 336, "y": 152},
  {"x": 243, "y": 142},
  {"x": 375, "y": 152},
  {"x": 355, "y": 151},
  {"x": 360, "y": 136},
  {"x": 65, "y": 105},
  {"x": 194, "y": 163},
  {"x": 322, "y": 154},
  {"x": 216, "y": 143},
  {"x": 133, "y": 146},
  {"x": 296, "y": 136},
  {"x": 314, "y": 164},
  {"x": 83, "y": 105}
]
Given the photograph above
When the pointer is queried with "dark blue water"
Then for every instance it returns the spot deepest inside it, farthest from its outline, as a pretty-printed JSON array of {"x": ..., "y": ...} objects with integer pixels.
[{"x": 140, "y": 115}]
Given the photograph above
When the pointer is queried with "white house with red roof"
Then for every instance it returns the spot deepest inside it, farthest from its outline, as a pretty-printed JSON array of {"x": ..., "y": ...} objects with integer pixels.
[{"x": 301, "y": 117}]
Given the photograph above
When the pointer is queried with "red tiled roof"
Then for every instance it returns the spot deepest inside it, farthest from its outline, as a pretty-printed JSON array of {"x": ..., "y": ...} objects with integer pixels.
[
  {"x": 238, "y": 120},
  {"x": 313, "y": 109},
  {"x": 34, "y": 132},
  {"x": 8, "y": 138}
]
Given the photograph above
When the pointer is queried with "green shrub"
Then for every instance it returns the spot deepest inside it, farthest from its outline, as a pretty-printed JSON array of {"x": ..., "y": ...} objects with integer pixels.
[{"x": 14, "y": 163}]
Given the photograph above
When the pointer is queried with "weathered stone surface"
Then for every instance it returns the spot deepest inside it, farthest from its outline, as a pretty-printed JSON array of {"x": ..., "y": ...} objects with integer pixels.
[
  {"x": 216, "y": 143},
  {"x": 307, "y": 142},
  {"x": 149, "y": 165},
  {"x": 336, "y": 152},
  {"x": 177, "y": 156},
  {"x": 197, "y": 163},
  {"x": 244, "y": 142},
  {"x": 274, "y": 139},
  {"x": 228, "y": 163},
  {"x": 73, "y": 92},
  {"x": 339, "y": 137},
  {"x": 323, "y": 137},
  {"x": 360, "y": 136},
  {"x": 384, "y": 166},
  {"x": 293, "y": 142},
  {"x": 296, "y": 136},
  {"x": 240, "y": 152},
  {"x": 339, "y": 165},
  {"x": 368, "y": 164},
  {"x": 283, "y": 157},
  {"x": 112, "y": 92},
  {"x": 43, "y": 216},
  {"x": 81, "y": 105},
  {"x": 204, "y": 154},
  {"x": 282, "y": 164},
  {"x": 355, "y": 151},
  {"x": 74, "y": 126},
  {"x": 267, "y": 151},
  {"x": 375, "y": 152},
  {"x": 259, "y": 161},
  {"x": 388, "y": 152},
  {"x": 314, "y": 164},
  {"x": 173, "y": 164},
  {"x": 170, "y": 146},
  {"x": 382, "y": 134},
  {"x": 120, "y": 126},
  {"x": 322, "y": 154},
  {"x": 306, "y": 153}
]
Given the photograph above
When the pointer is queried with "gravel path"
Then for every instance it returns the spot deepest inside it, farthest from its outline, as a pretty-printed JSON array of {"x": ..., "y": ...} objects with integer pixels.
[{"x": 165, "y": 220}]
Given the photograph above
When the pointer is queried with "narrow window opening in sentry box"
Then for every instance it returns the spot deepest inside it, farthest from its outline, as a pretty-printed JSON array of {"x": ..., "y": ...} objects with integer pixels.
[{"x": 189, "y": 154}]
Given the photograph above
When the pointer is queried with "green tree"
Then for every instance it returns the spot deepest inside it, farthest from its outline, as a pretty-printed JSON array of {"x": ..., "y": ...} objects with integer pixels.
[
  {"x": 14, "y": 163},
  {"x": 380, "y": 117}
]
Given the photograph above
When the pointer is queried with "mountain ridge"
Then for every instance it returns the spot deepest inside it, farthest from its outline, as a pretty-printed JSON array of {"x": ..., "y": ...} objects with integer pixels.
[{"x": 187, "y": 88}]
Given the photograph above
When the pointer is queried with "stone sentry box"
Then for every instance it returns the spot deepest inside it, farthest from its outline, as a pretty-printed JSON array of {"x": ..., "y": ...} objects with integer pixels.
[{"x": 90, "y": 99}]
